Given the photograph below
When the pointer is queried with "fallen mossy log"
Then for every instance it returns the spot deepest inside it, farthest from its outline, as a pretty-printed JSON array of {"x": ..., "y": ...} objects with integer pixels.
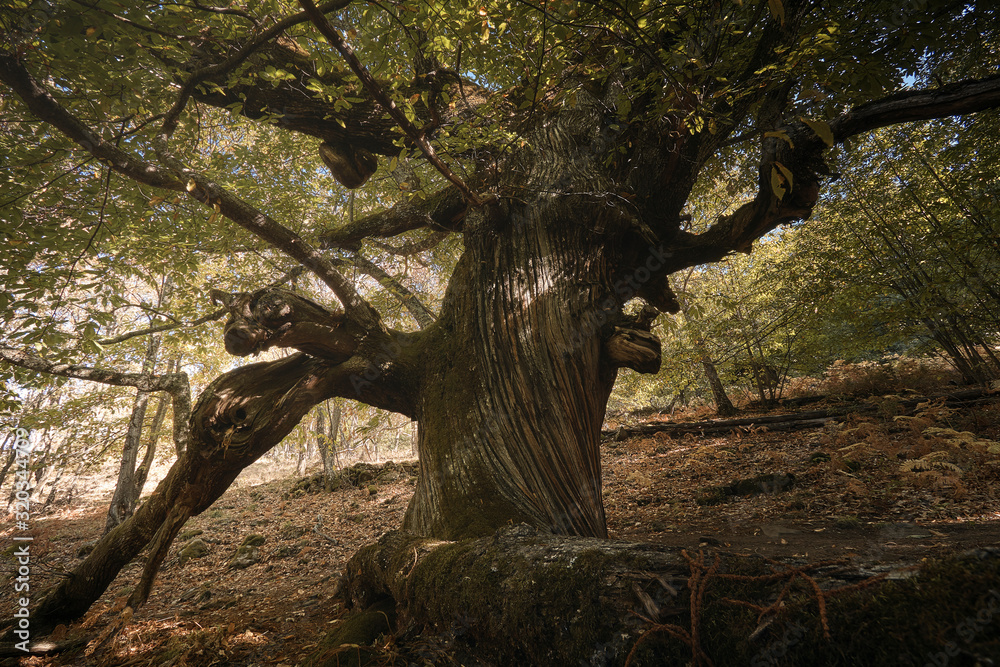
[
  {"x": 525, "y": 597},
  {"x": 792, "y": 421}
]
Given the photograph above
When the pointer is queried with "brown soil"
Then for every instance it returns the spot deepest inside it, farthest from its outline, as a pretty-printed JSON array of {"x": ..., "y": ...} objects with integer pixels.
[{"x": 854, "y": 496}]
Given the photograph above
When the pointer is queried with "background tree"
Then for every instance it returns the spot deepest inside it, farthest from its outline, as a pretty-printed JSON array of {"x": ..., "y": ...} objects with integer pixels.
[
  {"x": 561, "y": 142},
  {"x": 921, "y": 255}
]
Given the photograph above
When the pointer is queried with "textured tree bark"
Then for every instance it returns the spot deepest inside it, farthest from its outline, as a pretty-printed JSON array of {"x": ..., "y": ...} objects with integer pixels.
[
  {"x": 142, "y": 471},
  {"x": 521, "y": 361},
  {"x": 498, "y": 441}
]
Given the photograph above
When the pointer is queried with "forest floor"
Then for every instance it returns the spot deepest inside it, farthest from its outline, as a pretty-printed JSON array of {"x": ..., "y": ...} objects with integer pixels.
[{"x": 881, "y": 490}]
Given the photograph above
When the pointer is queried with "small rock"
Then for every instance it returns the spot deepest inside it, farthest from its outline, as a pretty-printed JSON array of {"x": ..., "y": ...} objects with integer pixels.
[
  {"x": 774, "y": 530},
  {"x": 849, "y": 522},
  {"x": 193, "y": 549},
  {"x": 253, "y": 540},
  {"x": 818, "y": 457},
  {"x": 248, "y": 553},
  {"x": 244, "y": 557},
  {"x": 290, "y": 531},
  {"x": 188, "y": 534},
  {"x": 286, "y": 551}
]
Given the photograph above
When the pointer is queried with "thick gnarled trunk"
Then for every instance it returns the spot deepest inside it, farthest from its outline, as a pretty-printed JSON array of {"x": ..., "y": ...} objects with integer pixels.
[
  {"x": 526, "y": 350},
  {"x": 514, "y": 397}
]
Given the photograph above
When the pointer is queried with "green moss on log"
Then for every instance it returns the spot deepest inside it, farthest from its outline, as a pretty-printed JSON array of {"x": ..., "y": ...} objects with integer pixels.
[{"x": 523, "y": 597}]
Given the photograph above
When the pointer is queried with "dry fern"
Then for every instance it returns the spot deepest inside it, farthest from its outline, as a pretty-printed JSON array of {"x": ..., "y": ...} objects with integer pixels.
[{"x": 923, "y": 465}]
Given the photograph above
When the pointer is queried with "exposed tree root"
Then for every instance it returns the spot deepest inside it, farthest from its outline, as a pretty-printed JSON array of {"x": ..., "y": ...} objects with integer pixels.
[{"x": 524, "y": 597}]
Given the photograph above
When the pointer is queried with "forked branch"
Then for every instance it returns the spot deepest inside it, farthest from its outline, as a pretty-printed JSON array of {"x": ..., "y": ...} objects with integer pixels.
[
  {"x": 175, "y": 384},
  {"x": 378, "y": 93}
]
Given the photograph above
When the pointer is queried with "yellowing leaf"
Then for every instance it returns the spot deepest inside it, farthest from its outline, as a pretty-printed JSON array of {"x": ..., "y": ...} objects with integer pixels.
[
  {"x": 786, "y": 172},
  {"x": 822, "y": 130},
  {"x": 781, "y": 134},
  {"x": 215, "y": 213},
  {"x": 777, "y": 185},
  {"x": 777, "y": 10},
  {"x": 781, "y": 180}
]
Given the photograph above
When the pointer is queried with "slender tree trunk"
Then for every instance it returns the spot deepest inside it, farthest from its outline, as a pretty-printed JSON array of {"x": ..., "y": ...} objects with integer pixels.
[
  {"x": 48, "y": 486},
  {"x": 300, "y": 457},
  {"x": 123, "y": 502},
  {"x": 41, "y": 464},
  {"x": 326, "y": 439},
  {"x": 142, "y": 472},
  {"x": 723, "y": 406},
  {"x": 6, "y": 466}
]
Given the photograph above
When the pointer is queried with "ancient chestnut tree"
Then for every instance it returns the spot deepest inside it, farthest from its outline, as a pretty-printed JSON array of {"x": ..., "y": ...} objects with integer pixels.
[{"x": 559, "y": 141}]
